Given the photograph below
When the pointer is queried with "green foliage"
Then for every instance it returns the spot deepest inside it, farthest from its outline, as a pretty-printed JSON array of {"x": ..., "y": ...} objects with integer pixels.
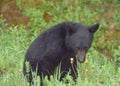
[
  {"x": 96, "y": 71},
  {"x": 117, "y": 19}
]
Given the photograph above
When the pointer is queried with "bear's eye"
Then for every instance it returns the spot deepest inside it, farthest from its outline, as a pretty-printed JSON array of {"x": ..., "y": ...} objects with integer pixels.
[{"x": 85, "y": 48}]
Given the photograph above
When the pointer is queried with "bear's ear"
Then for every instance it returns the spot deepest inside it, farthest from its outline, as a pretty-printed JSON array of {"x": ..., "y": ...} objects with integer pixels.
[{"x": 93, "y": 28}]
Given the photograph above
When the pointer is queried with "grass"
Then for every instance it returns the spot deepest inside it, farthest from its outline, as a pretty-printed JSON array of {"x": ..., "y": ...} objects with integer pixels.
[{"x": 96, "y": 71}]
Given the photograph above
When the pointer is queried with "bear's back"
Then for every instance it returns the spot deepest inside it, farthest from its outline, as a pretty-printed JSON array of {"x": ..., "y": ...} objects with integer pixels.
[{"x": 46, "y": 44}]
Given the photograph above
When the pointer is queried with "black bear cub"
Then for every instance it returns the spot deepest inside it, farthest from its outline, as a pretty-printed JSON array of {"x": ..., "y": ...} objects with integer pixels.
[{"x": 56, "y": 46}]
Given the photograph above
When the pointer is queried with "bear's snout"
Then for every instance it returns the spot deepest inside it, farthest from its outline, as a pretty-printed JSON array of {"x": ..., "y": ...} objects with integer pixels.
[{"x": 81, "y": 55}]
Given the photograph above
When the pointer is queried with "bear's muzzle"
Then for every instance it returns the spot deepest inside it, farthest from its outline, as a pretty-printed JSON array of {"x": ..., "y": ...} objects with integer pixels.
[{"x": 81, "y": 55}]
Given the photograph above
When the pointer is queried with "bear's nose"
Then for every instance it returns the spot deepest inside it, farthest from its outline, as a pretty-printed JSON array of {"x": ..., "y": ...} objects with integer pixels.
[{"x": 81, "y": 55}]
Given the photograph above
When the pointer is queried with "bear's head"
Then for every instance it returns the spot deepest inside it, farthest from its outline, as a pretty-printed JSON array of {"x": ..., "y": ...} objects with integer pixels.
[{"x": 79, "y": 39}]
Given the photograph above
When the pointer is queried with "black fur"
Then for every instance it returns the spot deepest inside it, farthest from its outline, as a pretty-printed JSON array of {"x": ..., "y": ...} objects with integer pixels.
[{"x": 57, "y": 45}]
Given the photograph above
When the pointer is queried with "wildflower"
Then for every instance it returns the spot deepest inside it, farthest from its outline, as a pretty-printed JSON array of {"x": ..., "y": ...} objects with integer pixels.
[
  {"x": 71, "y": 60},
  {"x": 88, "y": 54},
  {"x": 86, "y": 61},
  {"x": 86, "y": 70},
  {"x": 93, "y": 66}
]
